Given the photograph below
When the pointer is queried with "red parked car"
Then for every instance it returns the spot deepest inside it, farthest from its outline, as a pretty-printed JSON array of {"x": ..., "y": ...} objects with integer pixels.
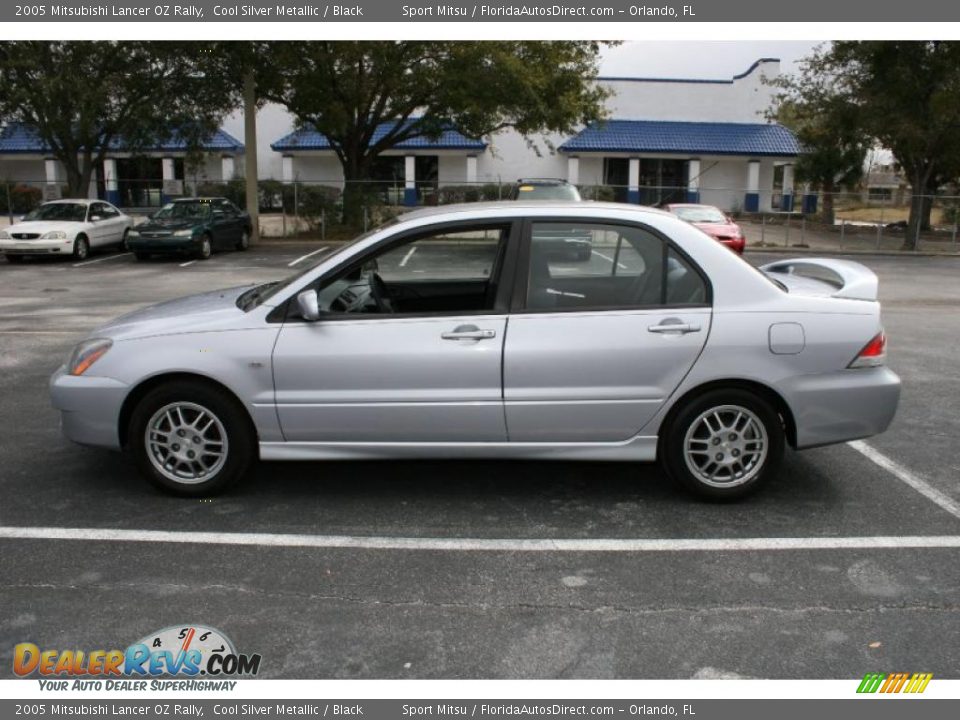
[{"x": 713, "y": 221}]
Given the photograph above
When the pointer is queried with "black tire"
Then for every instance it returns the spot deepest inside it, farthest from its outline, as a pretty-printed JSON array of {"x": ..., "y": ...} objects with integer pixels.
[
  {"x": 723, "y": 449},
  {"x": 124, "y": 244},
  {"x": 141, "y": 255},
  {"x": 244, "y": 242},
  {"x": 81, "y": 248},
  {"x": 14, "y": 259},
  {"x": 205, "y": 250},
  {"x": 241, "y": 438}
]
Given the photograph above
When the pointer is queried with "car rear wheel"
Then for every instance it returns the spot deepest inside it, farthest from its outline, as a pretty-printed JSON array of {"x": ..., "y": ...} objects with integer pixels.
[
  {"x": 206, "y": 248},
  {"x": 191, "y": 439},
  {"x": 81, "y": 248},
  {"x": 244, "y": 242},
  {"x": 723, "y": 444}
]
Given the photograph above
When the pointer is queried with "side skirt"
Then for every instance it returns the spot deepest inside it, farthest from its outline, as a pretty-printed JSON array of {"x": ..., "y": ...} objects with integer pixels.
[{"x": 638, "y": 449}]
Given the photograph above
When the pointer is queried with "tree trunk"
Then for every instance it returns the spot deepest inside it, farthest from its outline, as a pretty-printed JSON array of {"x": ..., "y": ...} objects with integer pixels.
[
  {"x": 250, "y": 153},
  {"x": 356, "y": 193},
  {"x": 921, "y": 203},
  {"x": 827, "y": 210}
]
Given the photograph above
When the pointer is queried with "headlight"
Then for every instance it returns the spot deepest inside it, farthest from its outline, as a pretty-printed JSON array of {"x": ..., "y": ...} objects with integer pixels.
[
  {"x": 184, "y": 233},
  {"x": 4, "y": 235},
  {"x": 86, "y": 354},
  {"x": 54, "y": 235}
]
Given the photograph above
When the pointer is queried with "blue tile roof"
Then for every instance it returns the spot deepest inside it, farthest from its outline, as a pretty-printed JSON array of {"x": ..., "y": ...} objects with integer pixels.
[
  {"x": 310, "y": 139},
  {"x": 661, "y": 136},
  {"x": 20, "y": 138}
]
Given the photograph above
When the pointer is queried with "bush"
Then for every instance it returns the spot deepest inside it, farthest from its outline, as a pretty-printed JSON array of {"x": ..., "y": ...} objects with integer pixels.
[{"x": 22, "y": 199}]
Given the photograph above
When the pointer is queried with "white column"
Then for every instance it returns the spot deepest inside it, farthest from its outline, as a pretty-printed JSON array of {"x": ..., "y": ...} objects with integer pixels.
[
  {"x": 410, "y": 180},
  {"x": 51, "y": 190},
  {"x": 633, "y": 183},
  {"x": 471, "y": 168},
  {"x": 787, "y": 203},
  {"x": 287, "y": 168},
  {"x": 227, "y": 168},
  {"x": 751, "y": 201},
  {"x": 110, "y": 180},
  {"x": 169, "y": 169},
  {"x": 693, "y": 180},
  {"x": 573, "y": 170}
]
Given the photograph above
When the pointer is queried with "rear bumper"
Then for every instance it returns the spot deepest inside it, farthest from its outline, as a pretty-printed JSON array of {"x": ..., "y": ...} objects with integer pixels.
[
  {"x": 736, "y": 244},
  {"x": 842, "y": 406},
  {"x": 36, "y": 247},
  {"x": 89, "y": 408}
]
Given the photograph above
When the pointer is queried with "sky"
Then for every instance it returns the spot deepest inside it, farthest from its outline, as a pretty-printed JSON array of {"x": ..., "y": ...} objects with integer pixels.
[{"x": 719, "y": 60}]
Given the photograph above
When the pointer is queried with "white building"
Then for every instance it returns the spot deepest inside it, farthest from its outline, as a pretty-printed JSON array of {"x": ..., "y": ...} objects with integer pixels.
[{"x": 665, "y": 140}]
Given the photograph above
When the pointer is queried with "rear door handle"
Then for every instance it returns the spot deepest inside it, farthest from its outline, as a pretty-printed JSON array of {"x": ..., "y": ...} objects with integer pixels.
[
  {"x": 679, "y": 328},
  {"x": 468, "y": 332}
]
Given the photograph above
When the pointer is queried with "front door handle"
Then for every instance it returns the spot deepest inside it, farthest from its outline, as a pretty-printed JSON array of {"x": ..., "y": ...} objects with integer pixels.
[
  {"x": 468, "y": 332},
  {"x": 679, "y": 328}
]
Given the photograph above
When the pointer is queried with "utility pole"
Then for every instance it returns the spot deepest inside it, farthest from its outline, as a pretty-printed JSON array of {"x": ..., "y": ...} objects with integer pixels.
[{"x": 250, "y": 152}]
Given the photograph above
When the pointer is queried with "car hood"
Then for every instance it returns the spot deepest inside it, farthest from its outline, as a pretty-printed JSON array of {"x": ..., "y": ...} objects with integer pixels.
[
  {"x": 170, "y": 225},
  {"x": 718, "y": 229},
  {"x": 194, "y": 313},
  {"x": 44, "y": 226}
]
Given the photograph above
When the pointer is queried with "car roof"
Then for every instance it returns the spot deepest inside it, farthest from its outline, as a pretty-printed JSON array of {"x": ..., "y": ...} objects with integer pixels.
[
  {"x": 691, "y": 205},
  {"x": 542, "y": 181},
  {"x": 73, "y": 201},
  {"x": 204, "y": 198},
  {"x": 518, "y": 207}
]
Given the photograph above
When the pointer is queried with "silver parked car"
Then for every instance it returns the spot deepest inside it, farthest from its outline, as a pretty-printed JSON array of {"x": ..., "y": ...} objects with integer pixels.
[{"x": 452, "y": 333}]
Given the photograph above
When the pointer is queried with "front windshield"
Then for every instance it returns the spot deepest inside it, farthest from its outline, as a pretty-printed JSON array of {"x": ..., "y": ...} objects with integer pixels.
[
  {"x": 64, "y": 212},
  {"x": 262, "y": 293},
  {"x": 547, "y": 192},
  {"x": 700, "y": 214},
  {"x": 183, "y": 211}
]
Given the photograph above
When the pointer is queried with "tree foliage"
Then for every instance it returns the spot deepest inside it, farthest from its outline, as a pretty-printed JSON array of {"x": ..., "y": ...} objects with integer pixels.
[
  {"x": 346, "y": 90},
  {"x": 829, "y": 127},
  {"x": 82, "y": 98},
  {"x": 907, "y": 95}
]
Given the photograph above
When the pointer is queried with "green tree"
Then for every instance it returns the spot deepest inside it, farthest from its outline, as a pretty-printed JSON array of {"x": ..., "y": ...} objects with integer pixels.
[
  {"x": 345, "y": 90},
  {"x": 83, "y": 97},
  {"x": 828, "y": 126},
  {"x": 908, "y": 96}
]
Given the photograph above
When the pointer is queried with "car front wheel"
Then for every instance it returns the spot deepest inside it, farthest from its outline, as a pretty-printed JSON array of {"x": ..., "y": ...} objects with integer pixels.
[
  {"x": 191, "y": 439},
  {"x": 723, "y": 444},
  {"x": 81, "y": 248}
]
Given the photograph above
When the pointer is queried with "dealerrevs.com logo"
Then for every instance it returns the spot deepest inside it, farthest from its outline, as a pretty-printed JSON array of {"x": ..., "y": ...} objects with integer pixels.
[
  {"x": 894, "y": 683},
  {"x": 181, "y": 651}
]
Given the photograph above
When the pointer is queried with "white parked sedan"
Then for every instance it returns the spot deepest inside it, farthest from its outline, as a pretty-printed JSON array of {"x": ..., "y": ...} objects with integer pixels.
[{"x": 66, "y": 227}]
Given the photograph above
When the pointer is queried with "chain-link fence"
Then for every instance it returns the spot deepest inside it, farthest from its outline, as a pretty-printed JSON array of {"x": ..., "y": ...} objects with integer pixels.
[{"x": 866, "y": 220}]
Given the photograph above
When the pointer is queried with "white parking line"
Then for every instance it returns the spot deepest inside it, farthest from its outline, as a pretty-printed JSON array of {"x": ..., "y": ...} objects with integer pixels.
[
  {"x": 304, "y": 257},
  {"x": 912, "y": 479},
  {"x": 188, "y": 263},
  {"x": 610, "y": 260},
  {"x": 101, "y": 259},
  {"x": 607, "y": 545},
  {"x": 406, "y": 258}
]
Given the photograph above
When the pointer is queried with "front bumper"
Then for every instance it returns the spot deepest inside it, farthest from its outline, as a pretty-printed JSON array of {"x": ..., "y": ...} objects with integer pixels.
[
  {"x": 36, "y": 247},
  {"x": 841, "y": 406},
  {"x": 162, "y": 246},
  {"x": 89, "y": 407}
]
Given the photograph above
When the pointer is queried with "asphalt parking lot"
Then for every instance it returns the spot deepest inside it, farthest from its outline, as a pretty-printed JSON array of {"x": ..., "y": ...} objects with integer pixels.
[{"x": 461, "y": 608}]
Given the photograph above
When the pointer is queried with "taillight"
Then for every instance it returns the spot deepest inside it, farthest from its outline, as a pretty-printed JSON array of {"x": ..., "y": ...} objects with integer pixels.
[{"x": 874, "y": 353}]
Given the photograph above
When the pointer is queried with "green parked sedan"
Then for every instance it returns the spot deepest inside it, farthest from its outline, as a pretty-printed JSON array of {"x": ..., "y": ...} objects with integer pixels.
[{"x": 193, "y": 226}]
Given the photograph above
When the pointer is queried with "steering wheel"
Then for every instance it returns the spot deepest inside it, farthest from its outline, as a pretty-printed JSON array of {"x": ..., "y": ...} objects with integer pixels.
[{"x": 380, "y": 293}]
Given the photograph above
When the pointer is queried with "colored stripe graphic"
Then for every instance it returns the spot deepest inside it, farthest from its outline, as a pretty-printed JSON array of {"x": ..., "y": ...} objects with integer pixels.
[{"x": 894, "y": 682}]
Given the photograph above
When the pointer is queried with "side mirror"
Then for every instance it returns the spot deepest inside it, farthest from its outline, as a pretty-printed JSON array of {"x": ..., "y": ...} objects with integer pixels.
[{"x": 308, "y": 305}]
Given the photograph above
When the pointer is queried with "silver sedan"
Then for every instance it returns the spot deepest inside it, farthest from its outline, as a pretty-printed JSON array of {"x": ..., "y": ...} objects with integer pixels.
[{"x": 459, "y": 332}]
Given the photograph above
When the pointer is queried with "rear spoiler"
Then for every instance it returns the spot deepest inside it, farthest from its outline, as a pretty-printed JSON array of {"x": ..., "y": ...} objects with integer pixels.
[{"x": 851, "y": 279}]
